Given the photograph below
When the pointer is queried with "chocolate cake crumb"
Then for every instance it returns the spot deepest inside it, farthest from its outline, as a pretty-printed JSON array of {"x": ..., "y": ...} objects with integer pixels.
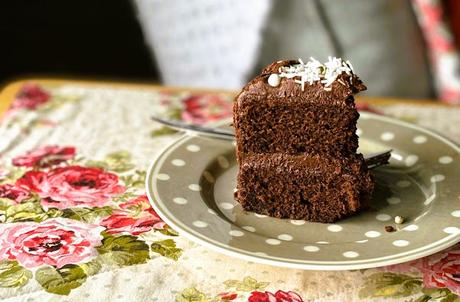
[{"x": 389, "y": 229}]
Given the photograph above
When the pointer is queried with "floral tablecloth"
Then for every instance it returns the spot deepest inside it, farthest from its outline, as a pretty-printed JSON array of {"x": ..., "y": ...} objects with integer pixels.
[{"x": 75, "y": 223}]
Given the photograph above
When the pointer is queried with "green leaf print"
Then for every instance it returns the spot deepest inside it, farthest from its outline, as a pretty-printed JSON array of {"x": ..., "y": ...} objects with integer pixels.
[
  {"x": 117, "y": 161},
  {"x": 162, "y": 131},
  {"x": 137, "y": 179},
  {"x": 60, "y": 280},
  {"x": 29, "y": 211},
  {"x": 167, "y": 248},
  {"x": 13, "y": 275},
  {"x": 191, "y": 294},
  {"x": 88, "y": 215},
  {"x": 123, "y": 250},
  {"x": 91, "y": 268},
  {"x": 390, "y": 285},
  {"x": 168, "y": 231},
  {"x": 248, "y": 284}
]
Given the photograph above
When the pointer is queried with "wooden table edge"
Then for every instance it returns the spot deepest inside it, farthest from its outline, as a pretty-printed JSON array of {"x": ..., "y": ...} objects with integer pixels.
[{"x": 9, "y": 91}]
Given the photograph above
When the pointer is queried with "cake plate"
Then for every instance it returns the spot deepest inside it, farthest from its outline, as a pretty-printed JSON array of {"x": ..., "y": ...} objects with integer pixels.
[{"x": 191, "y": 186}]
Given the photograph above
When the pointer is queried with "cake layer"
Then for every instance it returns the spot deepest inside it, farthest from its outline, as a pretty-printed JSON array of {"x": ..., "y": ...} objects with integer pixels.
[
  {"x": 292, "y": 119},
  {"x": 313, "y": 188}
]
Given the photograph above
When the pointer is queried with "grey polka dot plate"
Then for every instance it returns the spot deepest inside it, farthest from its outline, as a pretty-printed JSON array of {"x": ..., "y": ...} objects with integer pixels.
[{"x": 191, "y": 186}]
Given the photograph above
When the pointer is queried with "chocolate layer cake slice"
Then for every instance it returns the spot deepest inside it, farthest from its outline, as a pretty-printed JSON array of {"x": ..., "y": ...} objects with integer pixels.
[
  {"x": 295, "y": 130},
  {"x": 314, "y": 188},
  {"x": 279, "y": 111}
]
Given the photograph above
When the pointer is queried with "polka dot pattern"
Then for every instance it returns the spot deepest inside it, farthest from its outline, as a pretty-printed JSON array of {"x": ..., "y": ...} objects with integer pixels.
[
  {"x": 195, "y": 187},
  {"x": 437, "y": 178},
  {"x": 298, "y": 222},
  {"x": 285, "y": 237},
  {"x": 334, "y": 228},
  {"x": 236, "y": 233},
  {"x": 445, "y": 160},
  {"x": 393, "y": 200},
  {"x": 200, "y": 224},
  {"x": 193, "y": 148},
  {"x": 420, "y": 139},
  {"x": 226, "y": 205},
  {"x": 272, "y": 241},
  {"x": 403, "y": 183},
  {"x": 350, "y": 254},
  {"x": 383, "y": 217},
  {"x": 180, "y": 200},
  {"x": 387, "y": 136},
  {"x": 223, "y": 162},
  {"x": 163, "y": 176},
  {"x": 372, "y": 234},
  {"x": 249, "y": 228},
  {"x": 411, "y": 228},
  {"x": 411, "y": 160},
  {"x": 451, "y": 230},
  {"x": 208, "y": 176},
  {"x": 178, "y": 162},
  {"x": 311, "y": 248},
  {"x": 400, "y": 243},
  {"x": 456, "y": 213}
]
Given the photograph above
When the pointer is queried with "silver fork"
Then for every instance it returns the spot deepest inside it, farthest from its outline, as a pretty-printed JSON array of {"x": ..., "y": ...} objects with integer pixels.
[{"x": 372, "y": 160}]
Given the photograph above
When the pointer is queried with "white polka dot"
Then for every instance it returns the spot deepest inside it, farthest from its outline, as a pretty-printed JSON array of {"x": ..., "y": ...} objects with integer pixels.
[
  {"x": 451, "y": 230},
  {"x": 429, "y": 199},
  {"x": 285, "y": 237},
  {"x": 393, "y": 200},
  {"x": 456, "y": 213},
  {"x": 211, "y": 211},
  {"x": 445, "y": 160},
  {"x": 272, "y": 241},
  {"x": 193, "y": 148},
  {"x": 223, "y": 162},
  {"x": 178, "y": 162},
  {"x": 180, "y": 200},
  {"x": 234, "y": 143},
  {"x": 298, "y": 222},
  {"x": 383, "y": 217},
  {"x": 362, "y": 241},
  {"x": 236, "y": 233},
  {"x": 194, "y": 187},
  {"x": 403, "y": 183},
  {"x": 322, "y": 242},
  {"x": 226, "y": 205},
  {"x": 334, "y": 228},
  {"x": 437, "y": 178},
  {"x": 163, "y": 176},
  {"x": 372, "y": 234},
  {"x": 420, "y": 139},
  {"x": 387, "y": 136},
  {"x": 350, "y": 254},
  {"x": 411, "y": 160},
  {"x": 235, "y": 190},
  {"x": 400, "y": 243},
  {"x": 359, "y": 132},
  {"x": 200, "y": 224},
  {"x": 311, "y": 248},
  {"x": 411, "y": 228},
  {"x": 209, "y": 177},
  {"x": 249, "y": 228},
  {"x": 260, "y": 215}
]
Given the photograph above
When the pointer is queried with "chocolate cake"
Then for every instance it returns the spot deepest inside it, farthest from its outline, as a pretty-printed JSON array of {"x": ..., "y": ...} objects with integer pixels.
[{"x": 295, "y": 127}]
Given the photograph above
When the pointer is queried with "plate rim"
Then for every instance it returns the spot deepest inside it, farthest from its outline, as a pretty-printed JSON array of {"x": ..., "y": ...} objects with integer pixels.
[{"x": 153, "y": 195}]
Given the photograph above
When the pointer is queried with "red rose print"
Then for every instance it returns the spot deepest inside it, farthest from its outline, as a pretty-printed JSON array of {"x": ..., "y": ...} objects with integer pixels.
[
  {"x": 54, "y": 242},
  {"x": 72, "y": 186},
  {"x": 45, "y": 156},
  {"x": 442, "y": 270},
  {"x": 200, "y": 109},
  {"x": 227, "y": 296},
  {"x": 12, "y": 192},
  {"x": 29, "y": 97},
  {"x": 136, "y": 217},
  {"x": 279, "y": 296}
]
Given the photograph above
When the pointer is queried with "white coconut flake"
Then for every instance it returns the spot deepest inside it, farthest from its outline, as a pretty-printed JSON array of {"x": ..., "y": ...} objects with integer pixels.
[{"x": 314, "y": 71}]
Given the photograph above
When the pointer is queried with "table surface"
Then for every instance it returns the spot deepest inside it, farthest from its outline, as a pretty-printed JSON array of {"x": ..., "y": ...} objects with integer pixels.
[{"x": 112, "y": 245}]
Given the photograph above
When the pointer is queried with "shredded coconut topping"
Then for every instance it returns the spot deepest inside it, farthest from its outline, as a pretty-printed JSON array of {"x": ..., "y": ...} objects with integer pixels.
[{"x": 314, "y": 70}]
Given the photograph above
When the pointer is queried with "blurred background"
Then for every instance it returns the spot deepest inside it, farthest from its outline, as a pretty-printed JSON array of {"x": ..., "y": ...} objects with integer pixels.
[{"x": 400, "y": 48}]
